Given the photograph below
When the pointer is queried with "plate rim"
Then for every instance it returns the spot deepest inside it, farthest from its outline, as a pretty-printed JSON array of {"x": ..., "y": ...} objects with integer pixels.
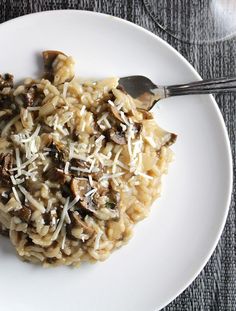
[{"x": 212, "y": 99}]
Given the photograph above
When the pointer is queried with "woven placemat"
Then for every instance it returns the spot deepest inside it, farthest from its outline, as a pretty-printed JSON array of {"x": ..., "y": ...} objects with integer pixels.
[{"x": 215, "y": 287}]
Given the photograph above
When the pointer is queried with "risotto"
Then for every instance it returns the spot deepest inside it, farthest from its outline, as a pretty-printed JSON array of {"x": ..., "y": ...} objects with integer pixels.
[{"x": 80, "y": 164}]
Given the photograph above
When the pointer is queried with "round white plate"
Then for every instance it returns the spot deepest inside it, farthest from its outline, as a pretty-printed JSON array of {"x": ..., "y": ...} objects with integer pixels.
[{"x": 173, "y": 244}]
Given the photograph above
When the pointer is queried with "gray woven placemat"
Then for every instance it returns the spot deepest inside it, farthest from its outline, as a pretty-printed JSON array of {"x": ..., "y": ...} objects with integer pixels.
[{"x": 215, "y": 287}]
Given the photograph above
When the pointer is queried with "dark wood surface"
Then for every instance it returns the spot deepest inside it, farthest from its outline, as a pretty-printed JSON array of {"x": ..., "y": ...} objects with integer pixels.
[{"x": 215, "y": 287}]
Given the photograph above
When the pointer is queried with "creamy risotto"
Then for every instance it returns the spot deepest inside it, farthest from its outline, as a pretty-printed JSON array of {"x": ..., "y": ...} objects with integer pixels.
[{"x": 80, "y": 164}]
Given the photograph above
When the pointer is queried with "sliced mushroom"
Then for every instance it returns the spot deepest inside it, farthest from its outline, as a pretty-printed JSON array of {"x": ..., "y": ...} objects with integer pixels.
[
  {"x": 158, "y": 135},
  {"x": 5, "y": 113},
  {"x": 79, "y": 163},
  {"x": 55, "y": 175},
  {"x": 7, "y": 102},
  {"x": 147, "y": 115},
  {"x": 79, "y": 187},
  {"x": 77, "y": 221},
  {"x": 24, "y": 214},
  {"x": 45, "y": 140},
  {"x": 56, "y": 153},
  {"x": 6, "y": 81},
  {"x": 170, "y": 139},
  {"x": 115, "y": 113},
  {"x": 6, "y": 161},
  {"x": 32, "y": 96},
  {"x": 48, "y": 58},
  {"x": 86, "y": 204},
  {"x": 116, "y": 136}
]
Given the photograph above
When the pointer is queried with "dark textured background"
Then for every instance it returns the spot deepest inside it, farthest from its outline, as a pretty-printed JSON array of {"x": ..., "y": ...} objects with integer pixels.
[{"x": 215, "y": 287}]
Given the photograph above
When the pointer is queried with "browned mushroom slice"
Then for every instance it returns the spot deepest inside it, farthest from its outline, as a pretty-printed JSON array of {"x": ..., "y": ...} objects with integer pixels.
[
  {"x": 55, "y": 175},
  {"x": 56, "y": 153},
  {"x": 115, "y": 113},
  {"x": 79, "y": 163},
  {"x": 147, "y": 115},
  {"x": 32, "y": 96},
  {"x": 48, "y": 58},
  {"x": 79, "y": 187},
  {"x": 24, "y": 214},
  {"x": 77, "y": 221},
  {"x": 7, "y": 102},
  {"x": 6, "y": 162},
  {"x": 6, "y": 81},
  {"x": 170, "y": 139},
  {"x": 116, "y": 136},
  {"x": 157, "y": 136},
  {"x": 4, "y": 114}
]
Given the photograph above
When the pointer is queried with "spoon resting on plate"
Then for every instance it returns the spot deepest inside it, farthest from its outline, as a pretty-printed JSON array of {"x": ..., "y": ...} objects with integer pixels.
[{"x": 142, "y": 88}]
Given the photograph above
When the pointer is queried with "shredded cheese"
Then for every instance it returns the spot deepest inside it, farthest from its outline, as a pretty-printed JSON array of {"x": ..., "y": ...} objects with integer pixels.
[
  {"x": 33, "y": 108},
  {"x": 32, "y": 200},
  {"x": 90, "y": 193},
  {"x": 33, "y": 136},
  {"x": 124, "y": 127},
  {"x": 99, "y": 139},
  {"x": 60, "y": 224},
  {"x": 111, "y": 103},
  {"x": 97, "y": 239},
  {"x": 16, "y": 195},
  {"x": 66, "y": 169},
  {"x": 71, "y": 150},
  {"x": 64, "y": 239},
  {"x": 90, "y": 180},
  {"x": 115, "y": 160},
  {"x": 108, "y": 176},
  {"x": 82, "y": 111},
  {"x": 73, "y": 202}
]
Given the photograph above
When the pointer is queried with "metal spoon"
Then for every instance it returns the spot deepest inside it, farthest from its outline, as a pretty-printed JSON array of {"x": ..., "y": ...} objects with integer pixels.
[{"x": 148, "y": 93}]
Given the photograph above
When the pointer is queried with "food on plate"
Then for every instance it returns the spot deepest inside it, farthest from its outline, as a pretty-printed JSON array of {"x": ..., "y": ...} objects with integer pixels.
[{"x": 80, "y": 164}]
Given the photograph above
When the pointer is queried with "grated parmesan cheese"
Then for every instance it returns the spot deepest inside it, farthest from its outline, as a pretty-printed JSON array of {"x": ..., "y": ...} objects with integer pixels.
[
  {"x": 32, "y": 200},
  {"x": 71, "y": 150},
  {"x": 115, "y": 160},
  {"x": 97, "y": 239},
  {"x": 64, "y": 239},
  {"x": 45, "y": 167},
  {"x": 110, "y": 102},
  {"x": 82, "y": 111},
  {"x": 73, "y": 202},
  {"x": 16, "y": 194},
  {"x": 90, "y": 180},
  {"x": 108, "y": 176},
  {"x": 124, "y": 127},
  {"x": 66, "y": 169},
  {"x": 36, "y": 108},
  {"x": 33, "y": 136},
  {"x": 99, "y": 140},
  {"x": 90, "y": 193},
  {"x": 60, "y": 224},
  {"x": 4, "y": 195}
]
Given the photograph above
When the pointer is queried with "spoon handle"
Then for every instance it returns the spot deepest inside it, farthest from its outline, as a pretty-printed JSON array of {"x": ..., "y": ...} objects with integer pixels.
[{"x": 202, "y": 87}]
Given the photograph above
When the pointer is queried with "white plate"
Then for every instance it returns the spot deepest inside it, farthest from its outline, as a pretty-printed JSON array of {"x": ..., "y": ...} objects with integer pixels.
[{"x": 173, "y": 244}]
